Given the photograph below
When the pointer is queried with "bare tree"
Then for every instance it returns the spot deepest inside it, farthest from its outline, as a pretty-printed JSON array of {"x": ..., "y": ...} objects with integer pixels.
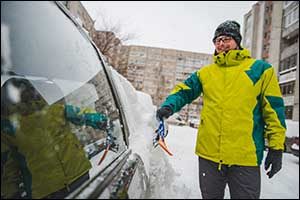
[
  {"x": 109, "y": 36},
  {"x": 106, "y": 24}
]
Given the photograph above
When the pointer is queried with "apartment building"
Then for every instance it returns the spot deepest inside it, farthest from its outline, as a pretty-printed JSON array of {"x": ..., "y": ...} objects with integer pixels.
[
  {"x": 271, "y": 33},
  {"x": 289, "y": 58},
  {"x": 262, "y": 30},
  {"x": 156, "y": 71},
  {"x": 109, "y": 45}
]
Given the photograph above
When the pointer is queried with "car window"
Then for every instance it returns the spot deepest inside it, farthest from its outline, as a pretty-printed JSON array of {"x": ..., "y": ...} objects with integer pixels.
[
  {"x": 66, "y": 54},
  {"x": 60, "y": 125}
]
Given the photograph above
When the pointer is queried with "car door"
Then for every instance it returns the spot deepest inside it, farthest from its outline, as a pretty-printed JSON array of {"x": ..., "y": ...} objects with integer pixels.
[{"x": 63, "y": 131}]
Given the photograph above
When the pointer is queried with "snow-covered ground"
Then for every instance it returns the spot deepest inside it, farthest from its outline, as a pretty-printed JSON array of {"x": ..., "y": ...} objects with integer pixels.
[
  {"x": 181, "y": 141},
  {"x": 174, "y": 177},
  {"x": 292, "y": 128}
]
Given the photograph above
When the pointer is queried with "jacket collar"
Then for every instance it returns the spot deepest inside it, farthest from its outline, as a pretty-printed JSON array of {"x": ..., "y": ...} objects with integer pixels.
[{"x": 231, "y": 58}]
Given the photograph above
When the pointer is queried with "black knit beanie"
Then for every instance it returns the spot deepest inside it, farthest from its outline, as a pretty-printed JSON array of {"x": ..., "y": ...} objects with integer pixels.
[{"x": 229, "y": 28}]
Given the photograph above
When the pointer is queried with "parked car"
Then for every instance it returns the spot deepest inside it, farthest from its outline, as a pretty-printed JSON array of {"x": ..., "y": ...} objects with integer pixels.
[
  {"x": 194, "y": 123},
  {"x": 292, "y": 135},
  {"x": 176, "y": 119},
  {"x": 63, "y": 131},
  {"x": 295, "y": 146}
]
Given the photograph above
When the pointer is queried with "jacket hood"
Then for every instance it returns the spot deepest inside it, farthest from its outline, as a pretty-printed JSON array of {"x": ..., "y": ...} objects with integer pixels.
[{"x": 231, "y": 58}]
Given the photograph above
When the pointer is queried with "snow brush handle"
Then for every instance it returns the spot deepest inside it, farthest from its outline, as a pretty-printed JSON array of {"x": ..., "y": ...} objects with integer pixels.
[{"x": 161, "y": 141}]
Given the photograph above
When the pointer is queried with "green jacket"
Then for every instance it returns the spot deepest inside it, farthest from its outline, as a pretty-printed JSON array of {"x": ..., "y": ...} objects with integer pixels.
[
  {"x": 242, "y": 105},
  {"x": 43, "y": 149}
]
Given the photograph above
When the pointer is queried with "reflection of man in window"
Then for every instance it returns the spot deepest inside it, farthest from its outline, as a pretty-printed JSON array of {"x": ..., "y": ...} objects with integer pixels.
[{"x": 40, "y": 156}]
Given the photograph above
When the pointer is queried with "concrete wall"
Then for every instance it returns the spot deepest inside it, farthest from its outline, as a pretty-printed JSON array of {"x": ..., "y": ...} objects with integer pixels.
[{"x": 274, "y": 52}]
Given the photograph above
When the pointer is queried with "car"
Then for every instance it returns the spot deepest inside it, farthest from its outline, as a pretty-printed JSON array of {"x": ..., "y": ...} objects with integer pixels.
[
  {"x": 292, "y": 135},
  {"x": 64, "y": 133},
  {"x": 194, "y": 123},
  {"x": 295, "y": 146},
  {"x": 94, "y": 148},
  {"x": 175, "y": 119}
]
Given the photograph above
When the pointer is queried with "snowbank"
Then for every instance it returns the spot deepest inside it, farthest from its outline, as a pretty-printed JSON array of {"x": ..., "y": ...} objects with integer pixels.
[
  {"x": 140, "y": 113},
  {"x": 292, "y": 128}
]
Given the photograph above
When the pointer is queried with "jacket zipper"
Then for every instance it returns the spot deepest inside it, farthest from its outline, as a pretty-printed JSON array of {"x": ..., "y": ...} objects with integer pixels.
[{"x": 222, "y": 111}]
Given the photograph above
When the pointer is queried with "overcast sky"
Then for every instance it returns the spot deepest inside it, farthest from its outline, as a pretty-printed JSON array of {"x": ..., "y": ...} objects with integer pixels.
[{"x": 181, "y": 25}]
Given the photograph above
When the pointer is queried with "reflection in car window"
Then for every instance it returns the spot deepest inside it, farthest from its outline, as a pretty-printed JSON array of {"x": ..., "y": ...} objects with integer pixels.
[
  {"x": 59, "y": 49},
  {"x": 95, "y": 96},
  {"x": 59, "y": 122}
]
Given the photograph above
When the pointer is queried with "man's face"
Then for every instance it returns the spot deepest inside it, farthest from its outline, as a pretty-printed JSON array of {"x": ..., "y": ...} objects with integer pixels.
[{"x": 224, "y": 44}]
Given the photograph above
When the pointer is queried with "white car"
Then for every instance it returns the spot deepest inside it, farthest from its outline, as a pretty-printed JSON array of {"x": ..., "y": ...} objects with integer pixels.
[{"x": 64, "y": 133}]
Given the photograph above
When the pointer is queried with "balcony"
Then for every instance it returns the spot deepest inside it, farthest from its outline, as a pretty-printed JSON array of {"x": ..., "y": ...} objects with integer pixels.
[
  {"x": 291, "y": 30},
  {"x": 287, "y": 75},
  {"x": 288, "y": 51}
]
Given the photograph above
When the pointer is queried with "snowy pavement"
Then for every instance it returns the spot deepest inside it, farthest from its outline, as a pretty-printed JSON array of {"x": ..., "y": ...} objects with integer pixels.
[{"x": 183, "y": 167}]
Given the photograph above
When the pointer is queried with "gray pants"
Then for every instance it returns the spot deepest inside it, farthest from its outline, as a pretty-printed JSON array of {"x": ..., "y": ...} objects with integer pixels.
[{"x": 243, "y": 181}]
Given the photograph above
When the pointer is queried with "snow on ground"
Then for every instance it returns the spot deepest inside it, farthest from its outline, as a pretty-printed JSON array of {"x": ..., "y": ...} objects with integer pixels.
[
  {"x": 292, "y": 128},
  {"x": 285, "y": 184},
  {"x": 174, "y": 177},
  {"x": 181, "y": 141}
]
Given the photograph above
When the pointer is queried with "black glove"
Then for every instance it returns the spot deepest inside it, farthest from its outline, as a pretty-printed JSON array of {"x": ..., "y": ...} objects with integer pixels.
[
  {"x": 274, "y": 157},
  {"x": 164, "y": 112},
  {"x": 102, "y": 125}
]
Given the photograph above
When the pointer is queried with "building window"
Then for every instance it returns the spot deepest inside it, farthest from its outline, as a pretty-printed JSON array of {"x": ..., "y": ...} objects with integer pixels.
[
  {"x": 267, "y": 21},
  {"x": 287, "y": 88},
  {"x": 291, "y": 17},
  {"x": 287, "y": 3},
  {"x": 293, "y": 60},
  {"x": 289, "y": 112},
  {"x": 271, "y": 7},
  {"x": 288, "y": 63}
]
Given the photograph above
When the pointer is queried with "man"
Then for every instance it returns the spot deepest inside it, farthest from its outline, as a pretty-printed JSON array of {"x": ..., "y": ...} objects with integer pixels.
[{"x": 242, "y": 106}]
